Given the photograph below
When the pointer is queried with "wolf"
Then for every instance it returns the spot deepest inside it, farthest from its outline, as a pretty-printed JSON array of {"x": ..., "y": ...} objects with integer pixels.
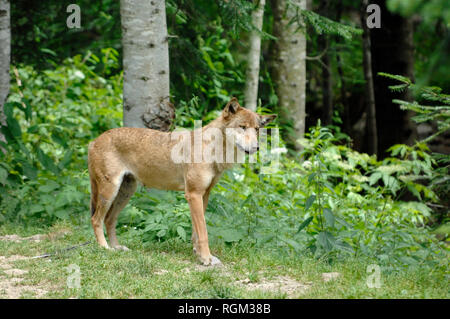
[{"x": 120, "y": 158}]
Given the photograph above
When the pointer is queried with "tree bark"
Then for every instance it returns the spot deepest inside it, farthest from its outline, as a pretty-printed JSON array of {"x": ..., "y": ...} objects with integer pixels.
[
  {"x": 327, "y": 89},
  {"x": 146, "y": 97},
  {"x": 289, "y": 67},
  {"x": 392, "y": 52},
  {"x": 5, "y": 57},
  {"x": 251, "y": 84},
  {"x": 370, "y": 91}
]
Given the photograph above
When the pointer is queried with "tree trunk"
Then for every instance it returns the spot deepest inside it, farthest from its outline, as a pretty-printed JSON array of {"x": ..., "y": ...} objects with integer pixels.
[
  {"x": 5, "y": 57},
  {"x": 251, "y": 86},
  {"x": 289, "y": 67},
  {"x": 327, "y": 89},
  {"x": 370, "y": 92},
  {"x": 146, "y": 97},
  {"x": 345, "y": 105},
  {"x": 392, "y": 52}
]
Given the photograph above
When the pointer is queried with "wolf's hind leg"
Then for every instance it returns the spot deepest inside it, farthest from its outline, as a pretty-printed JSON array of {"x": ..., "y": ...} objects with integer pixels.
[
  {"x": 107, "y": 192},
  {"x": 126, "y": 190}
]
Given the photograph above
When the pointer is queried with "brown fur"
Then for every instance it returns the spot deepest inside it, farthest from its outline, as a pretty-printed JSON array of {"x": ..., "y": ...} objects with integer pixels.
[{"x": 121, "y": 157}]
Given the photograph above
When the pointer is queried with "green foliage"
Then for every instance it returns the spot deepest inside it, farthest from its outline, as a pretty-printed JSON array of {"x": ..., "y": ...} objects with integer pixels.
[
  {"x": 50, "y": 120},
  {"x": 41, "y": 37},
  {"x": 429, "y": 9},
  {"x": 431, "y": 38},
  {"x": 336, "y": 203},
  {"x": 323, "y": 25},
  {"x": 238, "y": 14},
  {"x": 438, "y": 112}
]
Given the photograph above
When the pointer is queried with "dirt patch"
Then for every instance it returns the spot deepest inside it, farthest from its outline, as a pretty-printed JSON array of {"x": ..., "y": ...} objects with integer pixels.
[
  {"x": 10, "y": 286},
  {"x": 328, "y": 276},
  {"x": 200, "y": 267},
  {"x": 38, "y": 237},
  {"x": 284, "y": 284},
  {"x": 17, "y": 239}
]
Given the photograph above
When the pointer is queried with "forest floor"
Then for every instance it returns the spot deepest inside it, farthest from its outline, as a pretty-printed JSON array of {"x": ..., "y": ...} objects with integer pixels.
[{"x": 170, "y": 270}]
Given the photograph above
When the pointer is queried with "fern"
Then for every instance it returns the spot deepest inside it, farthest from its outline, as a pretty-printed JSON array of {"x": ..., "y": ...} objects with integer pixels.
[
  {"x": 323, "y": 25},
  {"x": 424, "y": 113}
]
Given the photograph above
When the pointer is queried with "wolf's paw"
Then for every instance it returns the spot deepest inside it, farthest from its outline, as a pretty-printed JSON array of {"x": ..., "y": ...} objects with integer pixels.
[
  {"x": 120, "y": 247},
  {"x": 210, "y": 261},
  {"x": 215, "y": 261}
]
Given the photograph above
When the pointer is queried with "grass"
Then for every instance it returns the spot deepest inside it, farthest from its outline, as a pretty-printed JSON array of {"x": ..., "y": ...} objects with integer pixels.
[{"x": 170, "y": 270}]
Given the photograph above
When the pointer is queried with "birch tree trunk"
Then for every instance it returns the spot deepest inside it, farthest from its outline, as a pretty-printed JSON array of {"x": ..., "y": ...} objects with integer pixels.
[
  {"x": 5, "y": 57},
  {"x": 289, "y": 67},
  {"x": 251, "y": 84},
  {"x": 370, "y": 91},
  {"x": 146, "y": 99}
]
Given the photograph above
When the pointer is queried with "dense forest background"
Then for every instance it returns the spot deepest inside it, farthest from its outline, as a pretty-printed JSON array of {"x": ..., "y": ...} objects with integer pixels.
[
  {"x": 368, "y": 178},
  {"x": 209, "y": 41}
]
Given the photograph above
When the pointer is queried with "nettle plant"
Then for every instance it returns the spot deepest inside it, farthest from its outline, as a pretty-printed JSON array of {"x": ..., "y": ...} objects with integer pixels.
[
  {"x": 437, "y": 113},
  {"x": 51, "y": 116},
  {"x": 332, "y": 202},
  {"x": 353, "y": 202}
]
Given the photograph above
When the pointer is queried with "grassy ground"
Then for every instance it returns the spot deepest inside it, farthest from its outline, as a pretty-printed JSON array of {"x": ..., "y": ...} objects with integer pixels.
[{"x": 169, "y": 270}]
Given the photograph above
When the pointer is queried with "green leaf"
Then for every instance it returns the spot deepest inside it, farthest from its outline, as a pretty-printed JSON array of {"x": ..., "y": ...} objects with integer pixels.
[
  {"x": 309, "y": 202},
  {"x": 61, "y": 213},
  {"x": 28, "y": 109},
  {"x": 33, "y": 129},
  {"x": 181, "y": 232},
  {"x": 305, "y": 223},
  {"x": 344, "y": 246},
  {"x": 374, "y": 178},
  {"x": 59, "y": 138},
  {"x": 29, "y": 170},
  {"x": 249, "y": 197},
  {"x": 66, "y": 159},
  {"x": 48, "y": 187},
  {"x": 391, "y": 183},
  {"x": 231, "y": 235},
  {"x": 161, "y": 233},
  {"x": 51, "y": 52},
  {"x": 46, "y": 161},
  {"x": 13, "y": 127},
  {"x": 342, "y": 222},
  {"x": 3, "y": 175},
  {"x": 311, "y": 177},
  {"x": 35, "y": 208},
  {"x": 329, "y": 217},
  {"x": 292, "y": 243},
  {"x": 326, "y": 240}
]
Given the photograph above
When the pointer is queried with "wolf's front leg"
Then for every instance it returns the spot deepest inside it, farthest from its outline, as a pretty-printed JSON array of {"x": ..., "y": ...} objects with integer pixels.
[{"x": 200, "y": 242}]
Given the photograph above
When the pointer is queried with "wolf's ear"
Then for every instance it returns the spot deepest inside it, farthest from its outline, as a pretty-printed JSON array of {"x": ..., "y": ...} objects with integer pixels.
[
  {"x": 266, "y": 119},
  {"x": 231, "y": 108}
]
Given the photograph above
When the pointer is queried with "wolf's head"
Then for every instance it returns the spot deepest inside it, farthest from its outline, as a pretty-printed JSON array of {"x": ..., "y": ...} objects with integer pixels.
[{"x": 243, "y": 125}]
